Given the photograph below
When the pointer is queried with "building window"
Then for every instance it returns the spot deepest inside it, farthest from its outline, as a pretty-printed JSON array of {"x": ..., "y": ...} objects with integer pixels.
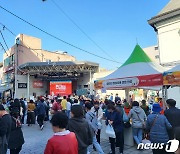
[
  {"x": 156, "y": 48},
  {"x": 9, "y": 61},
  {"x": 157, "y": 56}
]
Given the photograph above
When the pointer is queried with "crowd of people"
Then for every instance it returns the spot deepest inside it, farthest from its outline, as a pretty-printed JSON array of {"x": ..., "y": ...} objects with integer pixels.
[{"x": 77, "y": 123}]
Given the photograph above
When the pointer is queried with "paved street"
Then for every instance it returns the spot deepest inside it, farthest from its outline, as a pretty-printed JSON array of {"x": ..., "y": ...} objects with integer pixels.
[{"x": 35, "y": 141}]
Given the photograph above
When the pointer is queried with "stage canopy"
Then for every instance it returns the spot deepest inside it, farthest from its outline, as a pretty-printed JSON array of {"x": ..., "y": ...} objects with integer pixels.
[
  {"x": 56, "y": 70},
  {"x": 172, "y": 76},
  {"x": 138, "y": 71}
]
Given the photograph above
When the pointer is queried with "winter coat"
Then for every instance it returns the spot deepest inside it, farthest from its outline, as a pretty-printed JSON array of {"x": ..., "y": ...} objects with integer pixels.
[
  {"x": 15, "y": 105},
  {"x": 99, "y": 114},
  {"x": 16, "y": 139},
  {"x": 84, "y": 132},
  {"x": 5, "y": 129},
  {"x": 146, "y": 109},
  {"x": 31, "y": 107},
  {"x": 171, "y": 114},
  {"x": 62, "y": 143},
  {"x": 117, "y": 119},
  {"x": 138, "y": 117},
  {"x": 23, "y": 106},
  {"x": 41, "y": 109},
  {"x": 158, "y": 131},
  {"x": 175, "y": 122},
  {"x": 92, "y": 120}
]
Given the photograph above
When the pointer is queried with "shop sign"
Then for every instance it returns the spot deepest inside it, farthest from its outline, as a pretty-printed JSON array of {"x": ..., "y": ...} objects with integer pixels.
[
  {"x": 171, "y": 78},
  {"x": 37, "y": 84},
  {"x": 22, "y": 85}
]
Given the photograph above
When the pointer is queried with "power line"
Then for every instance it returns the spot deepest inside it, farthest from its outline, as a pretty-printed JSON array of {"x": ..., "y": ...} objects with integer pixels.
[
  {"x": 3, "y": 48},
  {"x": 4, "y": 27},
  {"x": 55, "y": 37},
  {"x": 4, "y": 40},
  {"x": 81, "y": 30},
  {"x": 25, "y": 45}
]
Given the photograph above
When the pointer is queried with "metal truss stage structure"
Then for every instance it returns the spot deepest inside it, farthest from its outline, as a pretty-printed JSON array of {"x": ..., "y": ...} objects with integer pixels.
[{"x": 66, "y": 69}]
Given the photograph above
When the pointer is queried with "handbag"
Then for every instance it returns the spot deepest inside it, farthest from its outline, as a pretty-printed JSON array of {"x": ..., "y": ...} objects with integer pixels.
[
  {"x": 127, "y": 124},
  {"x": 110, "y": 131}
]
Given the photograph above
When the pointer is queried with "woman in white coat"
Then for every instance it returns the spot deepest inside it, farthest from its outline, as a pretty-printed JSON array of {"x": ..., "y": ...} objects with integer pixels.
[{"x": 97, "y": 110}]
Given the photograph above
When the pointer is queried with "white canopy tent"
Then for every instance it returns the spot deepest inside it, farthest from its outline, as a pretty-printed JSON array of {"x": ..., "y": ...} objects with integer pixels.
[{"x": 137, "y": 72}]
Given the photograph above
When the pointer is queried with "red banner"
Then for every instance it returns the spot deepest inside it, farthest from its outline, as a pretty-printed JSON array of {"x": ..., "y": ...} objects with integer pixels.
[
  {"x": 37, "y": 84},
  {"x": 138, "y": 81},
  {"x": 61, "y": 88},
  {"x": 150, "y": 80}
]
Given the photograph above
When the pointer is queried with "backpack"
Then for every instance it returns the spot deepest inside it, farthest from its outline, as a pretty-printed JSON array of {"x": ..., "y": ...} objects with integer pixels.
[{"x": 93, "y": 120}]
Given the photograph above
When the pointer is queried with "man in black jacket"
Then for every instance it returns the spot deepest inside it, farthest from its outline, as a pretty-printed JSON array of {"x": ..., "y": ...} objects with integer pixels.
[
  {"x": 172, "y": 114},
  {"x": 78, "y": 125},
  {"x": 5, "y": 128},
  {"x": 117, "y": 98}
]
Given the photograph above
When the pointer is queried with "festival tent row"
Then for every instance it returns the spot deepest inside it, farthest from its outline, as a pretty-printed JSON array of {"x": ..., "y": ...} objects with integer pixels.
[{"x": 139, "y": 71}]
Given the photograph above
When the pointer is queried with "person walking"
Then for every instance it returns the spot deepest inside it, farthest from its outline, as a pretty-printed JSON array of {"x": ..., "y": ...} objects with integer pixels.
[
  {"x": 5, "y": 129},
  {"x": 16, "y": 139},
  {"x": 97, "y": 110},
  {"x": 81, "y": 128},
  {"x": 23, "y": 108},
  {"x": 172, "y": 115},
  {"x": 117, "y": 98},
  {"x": 158, "y": 125},
  {"x": 47, "y": 110},
  {"x": 127, "y": 106},
  {"x": 56, "y": 106},
  {"x": 138, "y": 117},
  {"x": 92, "y": 120},
  {"x": 114, "y": 118},
  {"x": 64, "y": 104},
  {"x": 41, "y": 112},
  {"x": 16, "y": 104},
  {"x": 30, "y": 113},
  {"x": 145, "y": 107},
  {"x": 111, "y": 97},
  {"x": 68, "y": 107},
  {"x": 63, "y": 141}
]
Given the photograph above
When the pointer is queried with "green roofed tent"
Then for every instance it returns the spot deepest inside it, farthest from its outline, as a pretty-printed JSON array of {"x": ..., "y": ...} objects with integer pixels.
[
  {"x": 138, "y": 55},
  {"x": 137, "y": 71}
]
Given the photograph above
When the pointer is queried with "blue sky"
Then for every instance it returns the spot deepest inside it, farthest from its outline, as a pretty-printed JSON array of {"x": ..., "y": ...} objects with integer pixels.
[{"x": 113, "y": 24}]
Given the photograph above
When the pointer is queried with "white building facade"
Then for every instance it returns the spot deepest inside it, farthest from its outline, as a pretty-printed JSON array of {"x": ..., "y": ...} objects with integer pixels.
[{"x": 167, "y": 26}]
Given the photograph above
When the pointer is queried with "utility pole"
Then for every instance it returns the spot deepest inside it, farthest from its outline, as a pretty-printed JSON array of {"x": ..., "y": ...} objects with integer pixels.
[{"x": 16, "y": 69}]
